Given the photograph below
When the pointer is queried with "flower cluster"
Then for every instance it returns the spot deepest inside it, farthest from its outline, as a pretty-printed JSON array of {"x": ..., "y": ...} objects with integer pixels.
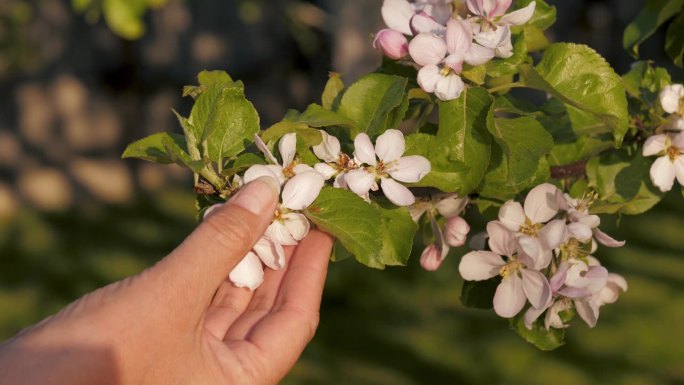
[
  {"x": 668, "y": 146},
  {"x": 371, "y": 167},
  {"x": 441, "y": 42},
  {"x": 542, "y": 251}
]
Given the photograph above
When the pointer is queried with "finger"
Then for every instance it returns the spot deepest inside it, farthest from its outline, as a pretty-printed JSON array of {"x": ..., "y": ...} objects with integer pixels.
[
  {"x": 192, "y": 273},
  {"x": 283, "y": 334},
  {"x": 228, "y": 305}
]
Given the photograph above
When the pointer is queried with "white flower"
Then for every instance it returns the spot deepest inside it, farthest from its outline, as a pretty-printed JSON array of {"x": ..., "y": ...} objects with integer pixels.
[
  {"x": 536, "y": 238},
  {"x": 520, "y": 280},
  {"x": 491, "y": 26},
  {"x": 336, "y": 163},
  {"x": 284, "y": 170},
  {"x": 672, "y": 99},
  {"x": 584, "y": 226},
  {"x": 385, "y": 163},
  {"x": 446, "y": 205},
  {"x": 670, "y": 162},
  {"x": 397, "y": 14}
]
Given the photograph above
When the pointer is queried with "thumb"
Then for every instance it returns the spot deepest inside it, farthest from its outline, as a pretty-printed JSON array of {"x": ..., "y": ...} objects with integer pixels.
[{"x": 197, "y": 267}]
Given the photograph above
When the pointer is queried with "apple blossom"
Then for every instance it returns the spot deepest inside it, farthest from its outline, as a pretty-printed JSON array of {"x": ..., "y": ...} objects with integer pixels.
[
  {"x": 397, "y": 14},
  {"x": 455, "y": 231},
  {"x": 520, "y": 281},
  {"x": 336, "y": 163},
  {"x": 391, "y": 43},
  {"x": 491, "y": 26},
  {"x": 384, "y": 162},
  {"x": 583, "y": 223},
  {"x": 284, "y": 170},
  {"x": 670, "y": 162}
]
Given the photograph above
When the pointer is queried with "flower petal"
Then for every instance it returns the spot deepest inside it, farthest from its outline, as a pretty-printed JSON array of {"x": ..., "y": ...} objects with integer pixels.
[
  {"x": 480, "y": 265},
  {"x": 449, "y": 87},
  {"x": 679, "y": 169},
  {"x": 478, "y": 55},
  {"x": 455, "y": 231},
  {"x": 428, "y": 77},
  {"x": 512, "y": 216},
  {"x": 427, "y": 49},
  {"x": 288, "y": 148},
  {"x": 329, "y": 148},
  {"x": 509, "y": 298},
  {"x": 541, "y": 203},
  {"x": 459, "y": 36},
  {"x": 495, "y": 8},
  {"x": 671, "y": 98},
  {"x": 248, "y": 272},
  {"x": 451, "y": 205},
  {"x": 277, "y": 232},
  {"x": 271, "y": 253},
  {"x": 552, "y": 234},
  {"x": 410, "y": 169},
  {"x": 259, "y": 170},
  {"x": 340, "y": 182},
  {"x": 501, "y": 239},
  {"x": 519, "y": 17},
  {"x": 364, "y": 150},
  {"x": 663, "y": 173},
  {"x": 532, "y": 248},
  {"x": 396, "y": 193},
  {"x": 396, "y": 14},
  {"x": 588, "y": 311},
  {"x": 431, "y": 258},
  {"x": 579, "y": 231},
  {"x": 326, "y": 170},
  {"x": 391, "y": 43},
  {"x": 424, "y": 23},
  {"x": 536, "y": 287},
  {"x": 302, "y": 189},
  {"x": 390, "y": 145},
  {"x": 476, "y": 7},
  {"x": 264, "y": 149},
  {"x": 655, "y": 144},
  {"x": 297, "y": 224},
  {"x": 606, "y": 240},
  {"x": 359, "y": 181}
]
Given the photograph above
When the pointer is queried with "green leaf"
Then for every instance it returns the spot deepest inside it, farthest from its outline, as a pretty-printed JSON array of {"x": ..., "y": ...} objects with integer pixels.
[
  {"x": 475, "y": 74},
  {"x": 317, "y": 116},
  {"x": 353, "y": 221},
  {"x": 370, "y": 101},
  {"x": 653, "y": 15},
  {"x": 208, "y": 78},
  {"x": 309, "y": 136},
  {"x": 332, "y": 92},
  {"x": 124, "y": 17},
  {"x": 225, "y": 120},
  {"x": 164, "y": 148},
  {"x": 622, "y": 181},
  {"x": 578, "y": 76},
  {"x": 674, "y": 40},
  {"x": 479, "y": 294},
  {"x": 501, "y": 67},
  {"x": 544, "y": 15},
  {"x": 497, "y": 184},
  {"x": 398, "y": 230},
  {"x": 540, "y": 337},
  {"x": 462, "y": 128},
  {"x": 446, "y": 175},
  {"x": 339, "y": 253}
]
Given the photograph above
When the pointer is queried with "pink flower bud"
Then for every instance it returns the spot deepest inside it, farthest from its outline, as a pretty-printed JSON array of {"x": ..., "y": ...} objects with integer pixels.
[
  {"x": 455, "y": 231},
  {"x": 431, "y": 258},
  {"x": 391, "y": 43}
]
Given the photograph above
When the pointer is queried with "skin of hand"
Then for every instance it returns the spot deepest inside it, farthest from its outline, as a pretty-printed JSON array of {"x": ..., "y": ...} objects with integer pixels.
[{"x": 181, "y": 321}]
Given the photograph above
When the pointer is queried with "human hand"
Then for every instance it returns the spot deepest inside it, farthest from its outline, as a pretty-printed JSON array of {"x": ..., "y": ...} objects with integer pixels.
[{"x": 181, "y": 321}]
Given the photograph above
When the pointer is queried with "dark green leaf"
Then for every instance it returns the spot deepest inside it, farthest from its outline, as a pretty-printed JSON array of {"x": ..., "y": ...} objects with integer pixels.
[
  {"x": 674, "y": 40},
  {"x": 544, "y": 14},
  {"x": 538, "y": 336},
  {"x": 317, "y": 116},
  {"x": 164, "y": 148},
  {"x": 446, "y": 175},
  {"x": 653, "y": 15},
  {"x": 398, "y": 230},
  {"x": 479, "y": 294}
]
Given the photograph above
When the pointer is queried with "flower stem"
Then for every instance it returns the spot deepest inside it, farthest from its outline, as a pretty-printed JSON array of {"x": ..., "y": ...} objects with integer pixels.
[{"x": 505, "y": 87}]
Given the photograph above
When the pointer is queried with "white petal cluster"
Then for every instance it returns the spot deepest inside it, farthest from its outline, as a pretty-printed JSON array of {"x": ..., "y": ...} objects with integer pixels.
[
  {"x": 439, "y": 43},
  {"x": 542, "y": 252},
  {"x": 669, "y": 148},
  {"x": 672, "y": 102}
]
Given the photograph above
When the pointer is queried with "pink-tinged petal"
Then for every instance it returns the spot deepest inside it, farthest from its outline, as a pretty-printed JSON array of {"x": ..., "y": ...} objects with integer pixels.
[
  {"x": 391, "y": 43},
  {"x": 288, "y": 148},
  {"x": 519, "y": 17},
  {"x": 440, "y": 11},
  {"x": 364, "y": 150},
  {"x": 451, "y": 205},
  {"x": 490, "y": 39},
  {"x": 476, "y": 7},
  {"x": 552, "y": 234},
  {"x": 396, "y": 193},
  {"x": 302, "y": 168},
  {"x": 428, "y": 77},
  {"x": 455, "y": 231},
  {"x": 259, "y": 170},
  {"x": 671, "y": 98},
  {"x": 248, "y": 273},
  {"x": 302, "y": 189},
  {"x": 533, "y": 252},
  {"x": 531, "y": 315},
  {"x": 558, "y": 279},
  {"x": 580, "y": 231},
  {"x": 455, "y": 62},
  {"x": 496, "y": 8},
  {"x": 329, "y": 148},
  {"x": 410, "y": 169},
  {"x": 432, "y": 257},
  {"x": 480, "y": 265},
  {"x": 591, "y": 221},
  {"x": 449, "y": 87},
  {"x": 478, "y": 55},
  {"x": 509, "y": 298},
  {"x": 552, "y": 319},
  {"x": 611, "y": 292},
  {"x": 271, "y": 253},
  {"x": 340, "y": 182},
  {"x": 417, "y": 210},
  {"x": 663, "y": 173},
  {"x": 596, "y": 279},
  {"x": 588, "y": 311},
  {"x": 536, "y": 287},
  {"x": 264, "y": 149},
  {"x": 424, "y": 23},
  {"x": 501, "y": 239},
  {"x": 427, "y": 49},
  {"x": 505, "y": 48},
  {"x": 541, "y": 204},
  {"x": 396, "y": 14},
  {"x": 679, "y": 169},
  {"x": 297, "y": 225},
  {"x": 512, "y": 215},
  {"x": 359, "y": 181},
  {"x": 277, "y": 232},
  {"x": 606, "y": 240},
  {"x": 655, "y": 145},
  {"x": 459, "y": 36},
  {"x": 678, "y": 141},
  {"x": 326, "y": 170},
  {"x": 390, "y": 145}
]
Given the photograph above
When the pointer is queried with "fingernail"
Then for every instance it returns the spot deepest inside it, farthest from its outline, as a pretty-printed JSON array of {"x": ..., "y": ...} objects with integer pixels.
[
  {"x": 257, "y": 195},
  {"x": 211, "y": 209}
]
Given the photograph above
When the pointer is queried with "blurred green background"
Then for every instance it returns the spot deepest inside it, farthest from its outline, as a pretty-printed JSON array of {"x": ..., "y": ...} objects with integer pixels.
[{"x": 74, "y": 217}]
